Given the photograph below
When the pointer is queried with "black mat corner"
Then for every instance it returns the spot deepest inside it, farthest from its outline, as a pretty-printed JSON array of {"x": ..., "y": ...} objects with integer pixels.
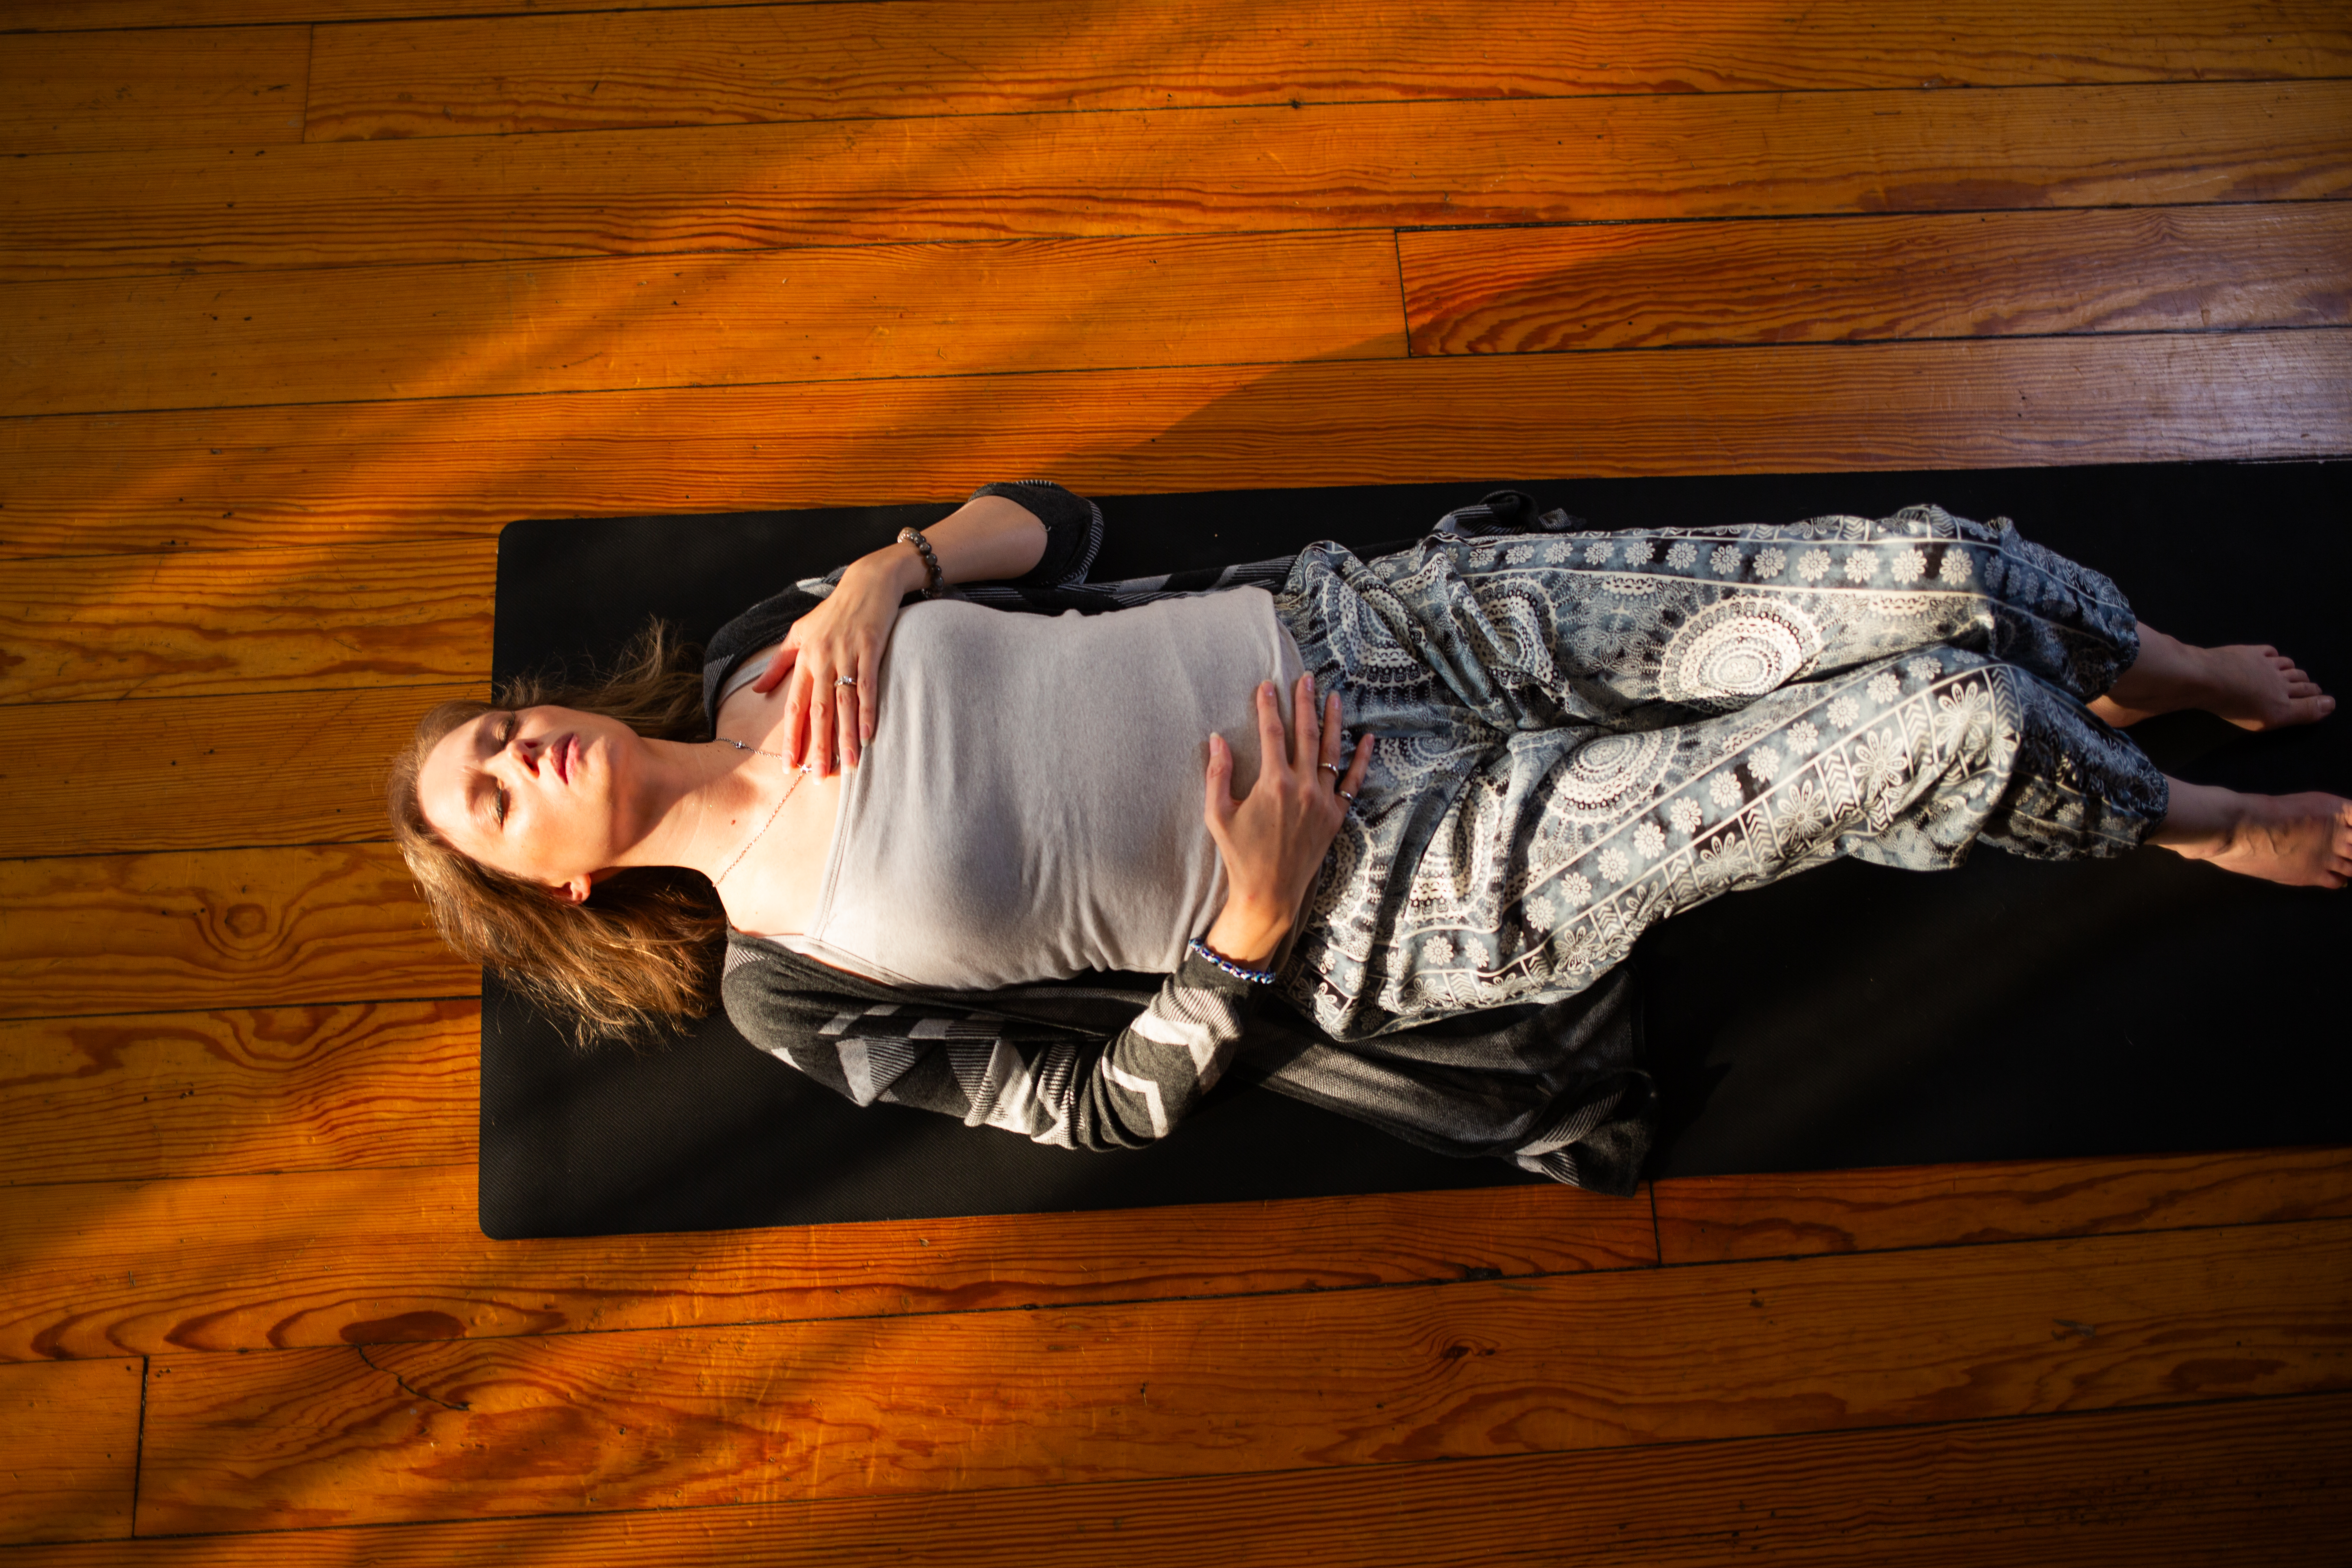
[{"x": 2010, "y": 1010}]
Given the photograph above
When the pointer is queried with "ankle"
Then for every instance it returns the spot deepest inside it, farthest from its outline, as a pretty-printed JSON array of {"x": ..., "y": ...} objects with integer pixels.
[
  {"x": 2201, "y": 822},
  {"x": 2159, "y": 678}
]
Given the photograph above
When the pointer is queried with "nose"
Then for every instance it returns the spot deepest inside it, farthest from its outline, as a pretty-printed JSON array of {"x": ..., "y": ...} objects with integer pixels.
[{"x": 525, "y": 751}]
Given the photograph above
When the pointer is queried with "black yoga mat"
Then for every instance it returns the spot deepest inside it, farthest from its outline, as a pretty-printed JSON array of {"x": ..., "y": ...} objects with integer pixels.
[{"x": 1853, "y": 1016}]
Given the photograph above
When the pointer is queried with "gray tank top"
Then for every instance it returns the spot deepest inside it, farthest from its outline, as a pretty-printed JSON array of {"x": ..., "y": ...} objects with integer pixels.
[{"x": 1030, "y": 807}]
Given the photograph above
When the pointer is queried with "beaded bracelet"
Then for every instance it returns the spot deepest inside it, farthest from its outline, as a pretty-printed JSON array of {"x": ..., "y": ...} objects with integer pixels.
[
  {"x": 937, "y": 579},
  {"x": 1256, "y": 976}
]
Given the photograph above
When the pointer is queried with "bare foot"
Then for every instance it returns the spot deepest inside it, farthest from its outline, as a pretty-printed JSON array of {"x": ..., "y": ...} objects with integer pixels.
[
  {"x": 2302, "y": 840},
  {"x": 2252, "y": 688},
  {"x": 2260, "y": 688}
]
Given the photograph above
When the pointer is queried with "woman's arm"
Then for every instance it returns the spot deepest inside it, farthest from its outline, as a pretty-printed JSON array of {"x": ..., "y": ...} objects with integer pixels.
[
  {"x": 1057, "y": 1083},
  {"x": 988, "y": 538}
]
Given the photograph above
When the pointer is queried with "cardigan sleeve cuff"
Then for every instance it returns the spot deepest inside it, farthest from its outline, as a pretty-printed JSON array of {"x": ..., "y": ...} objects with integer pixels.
[{"x": 1073, "y": 530}]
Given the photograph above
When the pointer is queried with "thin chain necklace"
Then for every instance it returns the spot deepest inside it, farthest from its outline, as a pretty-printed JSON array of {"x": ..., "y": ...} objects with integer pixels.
[{"x": 798, "y": 774}]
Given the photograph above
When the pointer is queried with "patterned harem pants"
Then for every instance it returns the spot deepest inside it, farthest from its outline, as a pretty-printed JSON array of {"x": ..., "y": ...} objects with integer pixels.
[{"x": 1582, "y": 733}]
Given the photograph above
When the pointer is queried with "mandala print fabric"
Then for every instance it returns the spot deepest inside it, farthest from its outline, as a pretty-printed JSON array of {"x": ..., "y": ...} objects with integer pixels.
[{"x": 1582, "y": 733}]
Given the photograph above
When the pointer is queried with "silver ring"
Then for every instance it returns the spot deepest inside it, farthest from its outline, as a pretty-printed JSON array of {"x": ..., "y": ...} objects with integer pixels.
[
  {"x": 1337, "y": 770},
  {"x": 845, "y": 680},
  {"x": 1346, "y": 796}
]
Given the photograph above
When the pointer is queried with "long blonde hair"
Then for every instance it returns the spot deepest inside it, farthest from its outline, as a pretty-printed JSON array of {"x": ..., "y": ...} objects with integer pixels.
[{"x": 642, "y": 956}]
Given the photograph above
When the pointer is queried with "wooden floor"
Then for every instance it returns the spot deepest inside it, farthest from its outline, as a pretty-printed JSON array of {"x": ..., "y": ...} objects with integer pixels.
[{"x": 301, "y": 300}]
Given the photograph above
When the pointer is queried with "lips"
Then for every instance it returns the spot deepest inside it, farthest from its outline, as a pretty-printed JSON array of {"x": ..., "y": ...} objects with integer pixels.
[{"x": 564, "y": 754}]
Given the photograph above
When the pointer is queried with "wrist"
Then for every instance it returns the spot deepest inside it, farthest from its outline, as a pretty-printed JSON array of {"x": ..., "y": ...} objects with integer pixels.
[
  {"x": 1249, "y": 933},
  {"x": 899, "y": 568}
]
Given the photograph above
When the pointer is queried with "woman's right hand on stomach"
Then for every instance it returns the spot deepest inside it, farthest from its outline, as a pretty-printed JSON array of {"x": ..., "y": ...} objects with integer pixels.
[{"x": 1271, "y": 841}]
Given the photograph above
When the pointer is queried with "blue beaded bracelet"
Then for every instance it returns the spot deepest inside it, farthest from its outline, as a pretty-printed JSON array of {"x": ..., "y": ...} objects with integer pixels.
[{"x": 1256, "y": 976}]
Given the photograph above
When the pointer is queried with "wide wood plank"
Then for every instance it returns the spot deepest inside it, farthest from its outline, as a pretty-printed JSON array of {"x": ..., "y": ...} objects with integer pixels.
[
  {"x": 1708, "y": 1219},
  {"x": 330, "y": 1258},
  {"x": 279, "y": 1089},
  {"x": 738, "y": 64},
  {"x": 1171, "y": 171},
  {"x": 971, "y": 1401},
  {"x": 86, "y": 91},
  {"x": 1848, "y": 279},
  {"x": 79, "y": 91},
  {"x": 344, "y": 333},
  {"x": 69, "y": 15},
  {"x": 293, "y": 476},
  {"x": 2240, "y": 1481},
  {"x": 324, "y": 1258},
  {"x": 227, "y": 928},
  {"x": 297, "y": 767},
  {"x": 216, "y": 622},
  {"x": 69, "y": 1449}
]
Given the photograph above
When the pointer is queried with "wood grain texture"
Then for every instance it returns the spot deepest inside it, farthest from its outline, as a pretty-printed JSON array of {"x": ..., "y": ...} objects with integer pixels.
[
  {"x": 270, "y": 1261},
  {"x": 1170, "y": 172},
  {"x": 340, "y": 334},
  {"x": 78, "y": 91},
  {"x": 1708, "y": 1219},
  {"x": 194, "y": 1094},
  {"x": 334, "y": 1258},
  {"x": 248, "y": 621},
  {"x": 974, "y": 1401},
  {"x": 303, "y": 476},
  {"x": 290, "y": 767},
  {"x": 228, "y": 927},
  {"x": 1984, "y": 43},
  {"x": 741, "y": 64},
  {"x": 2239, "y": 1481},
  {"x": 69, "y": 1450},
  {"x": 1852, "y": 280}
]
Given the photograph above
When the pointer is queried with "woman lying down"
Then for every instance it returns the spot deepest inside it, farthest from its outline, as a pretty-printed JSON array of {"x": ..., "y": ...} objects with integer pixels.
[{"x": 1426, "y": 803}]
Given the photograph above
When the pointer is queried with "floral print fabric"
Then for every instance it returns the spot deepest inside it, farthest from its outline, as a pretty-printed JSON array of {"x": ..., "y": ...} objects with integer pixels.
[{"x": 1583, "y": 734}]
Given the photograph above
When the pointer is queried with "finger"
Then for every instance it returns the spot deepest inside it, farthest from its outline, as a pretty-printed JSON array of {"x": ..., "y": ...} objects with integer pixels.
[
  {"x": 1272, "y": 742},
  {"x": 778, "y": 668},
  {"x": 869, "y": 700},
  {"x": 796, "y": 723},
  {"x": 1219, "y": 807},
  {"x": 1332, "y": 739},
  {"x": 844, "y": 714},
  {"x": 1354, "y": 783},
  {"x": 819, "y": 717},
  {"x": 1307, "y": 741}
]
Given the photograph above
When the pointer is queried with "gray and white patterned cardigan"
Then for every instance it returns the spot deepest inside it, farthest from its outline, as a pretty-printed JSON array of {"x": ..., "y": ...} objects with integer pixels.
[{"x": 1117, "y": 1061}]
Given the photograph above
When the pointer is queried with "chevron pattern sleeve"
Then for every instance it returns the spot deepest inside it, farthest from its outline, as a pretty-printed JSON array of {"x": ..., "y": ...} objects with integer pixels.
[{"x": 987, "y": 1068}]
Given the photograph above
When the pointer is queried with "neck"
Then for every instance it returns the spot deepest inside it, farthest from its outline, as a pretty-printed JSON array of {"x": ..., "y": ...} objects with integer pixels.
[{"x": 703, "y": 802}]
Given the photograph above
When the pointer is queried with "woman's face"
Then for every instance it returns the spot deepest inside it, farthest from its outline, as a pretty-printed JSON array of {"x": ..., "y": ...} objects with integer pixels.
[{"x": 543, "y": 794}]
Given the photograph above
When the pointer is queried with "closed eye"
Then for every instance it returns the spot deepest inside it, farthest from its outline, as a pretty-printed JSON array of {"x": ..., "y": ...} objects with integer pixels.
[{"x": 499, "y": 791}]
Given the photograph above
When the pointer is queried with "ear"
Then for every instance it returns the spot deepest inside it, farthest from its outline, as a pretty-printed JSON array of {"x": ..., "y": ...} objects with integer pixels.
[{"x": 574, "y": 891}]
